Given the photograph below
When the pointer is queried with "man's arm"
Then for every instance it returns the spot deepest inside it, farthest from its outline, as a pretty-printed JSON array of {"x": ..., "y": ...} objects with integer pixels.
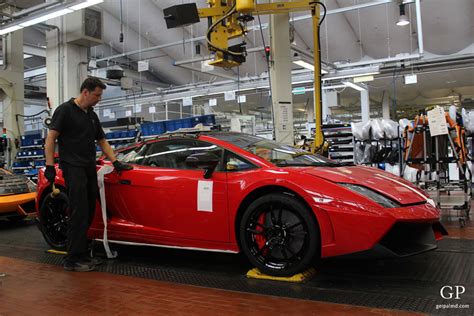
[
  {"x": 109, "y": 152},
  {"x": 50, "y": 145},
  {"x": 106, "y": 149}
]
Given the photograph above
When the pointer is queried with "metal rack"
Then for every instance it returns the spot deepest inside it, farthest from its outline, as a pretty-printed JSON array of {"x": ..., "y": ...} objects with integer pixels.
[
  {"x": 340, "y": 139},
  {"x": 386, "y": 151},
  {"x": 438, "y": 152}
]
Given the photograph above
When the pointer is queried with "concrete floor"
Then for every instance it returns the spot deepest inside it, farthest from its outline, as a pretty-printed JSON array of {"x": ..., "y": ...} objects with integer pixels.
[{"x": 31, "y": 288}]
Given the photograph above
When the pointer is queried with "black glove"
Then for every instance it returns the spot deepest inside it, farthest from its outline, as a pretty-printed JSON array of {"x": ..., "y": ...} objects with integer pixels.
[
  {"x": 120, "y": 166},
  {"x": 50, "y": 174}
]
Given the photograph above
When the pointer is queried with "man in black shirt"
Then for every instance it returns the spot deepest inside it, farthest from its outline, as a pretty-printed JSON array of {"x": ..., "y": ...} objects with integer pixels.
[{"x": 76, "y": 127}]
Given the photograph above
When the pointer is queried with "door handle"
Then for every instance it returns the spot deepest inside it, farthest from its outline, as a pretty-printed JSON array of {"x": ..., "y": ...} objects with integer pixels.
[{"x": 125, "y": 182}]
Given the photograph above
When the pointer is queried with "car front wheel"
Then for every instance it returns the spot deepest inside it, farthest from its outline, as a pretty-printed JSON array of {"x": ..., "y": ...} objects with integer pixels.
[
  {"x": 53, "y": 218},
  {"x": 279, "y": 235}
]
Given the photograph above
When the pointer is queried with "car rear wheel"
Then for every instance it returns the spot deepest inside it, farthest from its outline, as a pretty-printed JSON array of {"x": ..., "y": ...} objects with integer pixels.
[
  {"x": 53, "y": 218},
  {"x": 279, "y": 235}
]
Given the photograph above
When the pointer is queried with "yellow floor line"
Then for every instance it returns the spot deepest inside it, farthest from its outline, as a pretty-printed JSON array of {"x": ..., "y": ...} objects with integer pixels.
[
  {"x": 56, "y": 252},
  {"x": 300, "y": 277}
]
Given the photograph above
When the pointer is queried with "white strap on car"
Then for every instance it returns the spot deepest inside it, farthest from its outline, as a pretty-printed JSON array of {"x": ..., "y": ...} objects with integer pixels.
[{"x": 100, "y": 179}]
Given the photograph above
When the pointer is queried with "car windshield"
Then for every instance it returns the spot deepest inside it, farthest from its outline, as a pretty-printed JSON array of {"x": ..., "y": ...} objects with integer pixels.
[{"x": 274, "y": 152}]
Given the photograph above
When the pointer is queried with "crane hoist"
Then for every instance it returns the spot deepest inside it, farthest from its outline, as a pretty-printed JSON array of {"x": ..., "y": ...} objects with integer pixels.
[{"x": 227, "y": 20}]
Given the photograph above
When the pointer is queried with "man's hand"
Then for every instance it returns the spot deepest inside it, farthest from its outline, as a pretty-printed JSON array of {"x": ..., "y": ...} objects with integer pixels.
[
  {"x": 120, "y": 166},
  {"x": 50, "y": 174}
]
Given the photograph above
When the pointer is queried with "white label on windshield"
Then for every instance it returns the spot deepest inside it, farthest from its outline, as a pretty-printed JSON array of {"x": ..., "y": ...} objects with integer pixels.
[{"x": 204, "y": 196}]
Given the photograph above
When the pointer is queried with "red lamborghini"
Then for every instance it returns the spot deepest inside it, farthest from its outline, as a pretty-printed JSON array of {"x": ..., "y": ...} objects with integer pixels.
[{"x": 282, "y": 207}]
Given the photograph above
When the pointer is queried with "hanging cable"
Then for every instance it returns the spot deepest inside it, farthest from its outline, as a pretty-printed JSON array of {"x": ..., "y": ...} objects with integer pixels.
[
  {"x": 121, "y": 23},
  {"x": 267, "y": 59},
  {"x": 209, "y": 32}
]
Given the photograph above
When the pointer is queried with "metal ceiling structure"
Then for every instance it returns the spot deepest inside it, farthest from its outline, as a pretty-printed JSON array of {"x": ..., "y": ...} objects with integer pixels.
[{"x": 356, "y": 33}]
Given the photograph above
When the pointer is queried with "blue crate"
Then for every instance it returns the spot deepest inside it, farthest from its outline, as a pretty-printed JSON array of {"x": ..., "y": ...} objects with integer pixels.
[
  {"x": 170, "y": 125},
  {"x": 159, "y": 128},
  {"x": 209, "y": 119},
  {"x": 194, "y": 121},
  {"x": 146, "y": 129},
  {"x": 40, "y": 163}
]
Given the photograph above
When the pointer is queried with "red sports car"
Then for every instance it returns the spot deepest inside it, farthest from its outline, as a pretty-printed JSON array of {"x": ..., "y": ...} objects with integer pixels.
[{"x": 282, "y": 207}]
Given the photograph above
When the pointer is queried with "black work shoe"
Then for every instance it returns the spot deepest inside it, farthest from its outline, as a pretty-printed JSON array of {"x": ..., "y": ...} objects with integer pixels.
[
  {"x": 78, "y": 266},
  {"x": 96, "y": 261}
]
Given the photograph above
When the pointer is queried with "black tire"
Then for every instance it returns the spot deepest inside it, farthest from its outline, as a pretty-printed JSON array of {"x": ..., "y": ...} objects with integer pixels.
[
  {"x": 53, "y": 218},
  {"x": 279, "y": 235}
]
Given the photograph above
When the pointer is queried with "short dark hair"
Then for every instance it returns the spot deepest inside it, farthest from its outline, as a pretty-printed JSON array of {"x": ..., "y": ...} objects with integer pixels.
[{"x": 91, "y": 83}]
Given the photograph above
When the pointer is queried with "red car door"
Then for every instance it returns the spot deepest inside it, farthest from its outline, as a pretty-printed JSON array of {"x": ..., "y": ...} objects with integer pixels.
[{"x": 169, "y": 200}]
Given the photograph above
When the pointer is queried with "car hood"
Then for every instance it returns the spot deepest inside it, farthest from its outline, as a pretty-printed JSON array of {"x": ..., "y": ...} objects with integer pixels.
[{"x": 382, "y": 182}]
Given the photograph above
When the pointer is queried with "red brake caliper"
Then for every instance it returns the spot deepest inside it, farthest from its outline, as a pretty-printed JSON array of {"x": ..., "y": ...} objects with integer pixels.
[{"x": 260, "y": 239}]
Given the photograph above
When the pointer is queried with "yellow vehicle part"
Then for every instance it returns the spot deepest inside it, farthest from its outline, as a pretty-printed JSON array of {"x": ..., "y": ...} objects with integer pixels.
[{"x": 11, "y": 203}]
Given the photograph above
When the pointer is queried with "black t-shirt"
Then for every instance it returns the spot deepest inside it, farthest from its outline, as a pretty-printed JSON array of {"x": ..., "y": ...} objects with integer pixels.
[{"x": 78, "y": 131}]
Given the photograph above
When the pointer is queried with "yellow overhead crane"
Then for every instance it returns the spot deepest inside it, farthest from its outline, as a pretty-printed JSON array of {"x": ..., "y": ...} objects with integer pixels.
[{"x": 227, "y": 21}]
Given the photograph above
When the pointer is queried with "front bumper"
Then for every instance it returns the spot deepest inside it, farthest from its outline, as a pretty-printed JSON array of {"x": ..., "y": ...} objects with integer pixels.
[
  {"x": 359, "y": 228},
  {"x": 405, "y": 239}
]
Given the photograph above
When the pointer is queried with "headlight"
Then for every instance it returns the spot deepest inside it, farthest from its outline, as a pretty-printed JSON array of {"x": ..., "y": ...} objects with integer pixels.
[
  {"x": 374, "y": 196},
  {"x": 31, "y": 185}
]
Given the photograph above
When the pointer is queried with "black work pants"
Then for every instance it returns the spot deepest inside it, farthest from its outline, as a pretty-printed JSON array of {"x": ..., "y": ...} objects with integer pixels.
[{"x": 82, "y": 188}]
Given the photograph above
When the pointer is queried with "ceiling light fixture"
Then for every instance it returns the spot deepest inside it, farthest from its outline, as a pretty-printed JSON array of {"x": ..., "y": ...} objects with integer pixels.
[
  {"x": 302, "y": 63},
  {"x": 403, "y": 19},
  {"x": 44, "y": 15},
  {"x": 363, "y": 79},
  {"x": 354, "y": 86}
]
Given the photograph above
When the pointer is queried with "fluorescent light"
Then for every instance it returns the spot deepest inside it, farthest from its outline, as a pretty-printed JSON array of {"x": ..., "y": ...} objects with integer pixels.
[
  {"x": 304, "y": 81},
  {"x": 86, "y": 4},
  {"x": 353, "y": 85},
  {"x": 304, "y": 64},
  {"x": 363, "y": 79},
  {"x": 338, "y": 86},
  {"x": 352, "y": 73},
  {"x": 43, "y": 16},
  {"x": 10, "y": 29},
  {"x": 307, "y": 65},
  {"x": 46, "y": 17}
]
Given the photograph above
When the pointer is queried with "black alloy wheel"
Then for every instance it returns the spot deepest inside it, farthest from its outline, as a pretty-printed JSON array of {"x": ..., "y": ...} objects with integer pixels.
[
  {"x": 279, "y": 235},
  {"x": 53, "y": 218}
]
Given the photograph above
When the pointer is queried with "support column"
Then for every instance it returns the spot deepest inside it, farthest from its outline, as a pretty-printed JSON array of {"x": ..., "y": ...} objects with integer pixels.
[
  {"x": 329, "y": 101},
  {"x": 280, "y": 78},
  {"x": 66, "y": 64},
  {"x": 12, "y": 92},
  {"x": 386, "y": 107},
  {"x": 364, "y": 104}
]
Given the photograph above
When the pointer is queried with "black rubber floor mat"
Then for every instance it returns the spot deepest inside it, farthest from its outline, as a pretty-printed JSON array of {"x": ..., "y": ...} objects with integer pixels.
[{"x": 411, "y": 284}]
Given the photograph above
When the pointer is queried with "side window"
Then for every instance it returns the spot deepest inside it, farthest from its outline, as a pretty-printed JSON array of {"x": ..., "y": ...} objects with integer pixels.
[
  {"x": 127, "y": 155},
  {"x": 134, "y": 155},
  {"x": 173, "y": 153},
  {"x": 234, "y": 162}
]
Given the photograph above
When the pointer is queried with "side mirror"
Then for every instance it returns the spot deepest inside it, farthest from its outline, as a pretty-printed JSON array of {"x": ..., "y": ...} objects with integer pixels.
[{"x": 206, "y": 161}]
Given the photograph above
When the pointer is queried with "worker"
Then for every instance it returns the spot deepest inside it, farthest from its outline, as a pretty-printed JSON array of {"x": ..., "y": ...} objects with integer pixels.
[{"x": 76, "y": 127}]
